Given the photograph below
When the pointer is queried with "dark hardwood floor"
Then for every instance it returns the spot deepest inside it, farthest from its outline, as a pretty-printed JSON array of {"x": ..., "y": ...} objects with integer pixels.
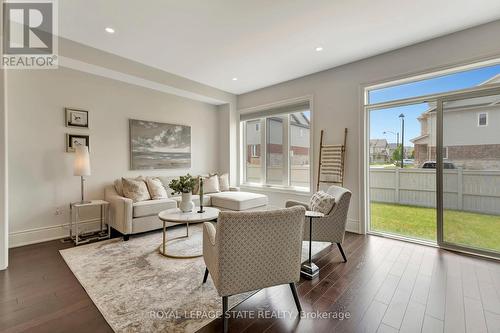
[{"x": 386, "y": 286}]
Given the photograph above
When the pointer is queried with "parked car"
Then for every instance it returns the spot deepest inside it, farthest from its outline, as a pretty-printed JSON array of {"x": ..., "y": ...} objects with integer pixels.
[
  {"x": 408, "y": 161},
  {"x": 432, "y": 165}
]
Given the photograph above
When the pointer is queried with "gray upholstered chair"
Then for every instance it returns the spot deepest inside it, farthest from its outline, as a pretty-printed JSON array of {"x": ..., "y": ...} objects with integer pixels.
[
  {"x": 248, "y": 251},
  {"x": 330, "y": 228}
]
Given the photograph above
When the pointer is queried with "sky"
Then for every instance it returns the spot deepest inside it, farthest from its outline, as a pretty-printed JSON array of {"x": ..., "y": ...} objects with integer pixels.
[{"x": 388, "y": 119}]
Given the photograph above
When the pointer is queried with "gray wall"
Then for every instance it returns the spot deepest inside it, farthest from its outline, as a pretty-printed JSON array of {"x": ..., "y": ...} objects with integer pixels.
[
  {"x": 41, "y": 170},
  {"x": 458, "y": 123},
  {"x": 337, "y": 95}
]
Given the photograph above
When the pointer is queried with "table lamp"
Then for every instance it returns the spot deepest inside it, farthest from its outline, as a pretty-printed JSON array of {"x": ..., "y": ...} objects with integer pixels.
[{"x": 81, "y": 167}]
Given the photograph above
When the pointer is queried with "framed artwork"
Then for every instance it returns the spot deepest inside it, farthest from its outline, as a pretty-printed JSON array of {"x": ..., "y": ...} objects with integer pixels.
[
  {"x": 73, "y": 140},
  {"x": 156, "y": 145},
  {"x": 77, "y": 118}
]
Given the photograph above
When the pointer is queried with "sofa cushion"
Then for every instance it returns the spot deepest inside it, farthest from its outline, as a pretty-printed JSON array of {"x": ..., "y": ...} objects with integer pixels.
[
  {"x": 211, "y": 184},
  {"x": 118, "y": 187},
  {"x": 156, "y": 188},
  {"x": 152, "y": 207},
  {"x": 135, "y": 189},
  {"x": 196, "y": 200},
  {"x": 224, "y": 182},
  {"x": 322, "y": 202},
  {"x": 196, "y": 188},
  {"x": 166, "y": 181},
  {"x": 238, "y": 200},
  {"x": 119, "y": 184}
]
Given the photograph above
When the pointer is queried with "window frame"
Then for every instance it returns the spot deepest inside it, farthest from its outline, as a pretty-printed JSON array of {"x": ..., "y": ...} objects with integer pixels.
[
  {"x": 365, "y": 106},
  {"x": 479, "y": 119},
  {"x": 242, "y": 148},
  {"x": 445, "y": 153}
]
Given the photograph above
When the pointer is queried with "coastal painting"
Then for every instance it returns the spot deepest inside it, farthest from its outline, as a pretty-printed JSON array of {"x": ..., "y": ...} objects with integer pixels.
[{"x": 156, "y": 145}]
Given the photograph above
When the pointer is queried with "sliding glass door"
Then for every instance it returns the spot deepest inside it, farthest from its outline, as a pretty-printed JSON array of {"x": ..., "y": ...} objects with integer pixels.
[
  {"x": 402, "y": 171},
  {"x": 469, "y": 172},
  {"x": 433, "y": 161}
]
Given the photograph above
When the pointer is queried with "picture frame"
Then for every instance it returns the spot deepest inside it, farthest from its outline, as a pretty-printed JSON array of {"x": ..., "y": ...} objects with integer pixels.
[
  {"x": 76, "y": 118},
  {"x": 155, "y": 145},
  {"x": 72, "y": 140}
]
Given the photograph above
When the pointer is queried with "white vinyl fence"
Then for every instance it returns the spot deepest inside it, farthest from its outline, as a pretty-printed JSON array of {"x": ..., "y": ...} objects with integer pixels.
[{"x": 467, "y": 190}]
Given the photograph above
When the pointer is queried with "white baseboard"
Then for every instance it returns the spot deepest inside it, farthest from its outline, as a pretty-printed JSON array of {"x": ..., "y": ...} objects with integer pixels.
[
  {"x": 43, "y": 234},
  {"x": 353, "y": 226}
]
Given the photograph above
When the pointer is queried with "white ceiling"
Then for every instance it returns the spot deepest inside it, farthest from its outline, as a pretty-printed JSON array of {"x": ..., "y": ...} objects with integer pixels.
[{"x": 261, "y": 42}]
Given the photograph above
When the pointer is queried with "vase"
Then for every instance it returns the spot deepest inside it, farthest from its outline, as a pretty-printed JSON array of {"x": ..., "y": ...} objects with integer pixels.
[{"x": 187, "y": 204}]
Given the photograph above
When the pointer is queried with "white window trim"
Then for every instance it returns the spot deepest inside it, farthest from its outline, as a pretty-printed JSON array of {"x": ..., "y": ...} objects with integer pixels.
[
  {"x": 242, "y": 148},
  {"x": 479, "y": 119},
  {"x": 364, "y": 105}
]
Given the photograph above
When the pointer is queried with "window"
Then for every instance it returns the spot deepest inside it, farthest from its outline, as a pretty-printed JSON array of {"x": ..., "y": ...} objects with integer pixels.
[
  {"x": 279, "y": 154},
  {"x": 253, "y": 156},
  {"x": 482, "y": 119},
  {"x": 254, "y": 150},
  {"x": 434, "y": 83}
]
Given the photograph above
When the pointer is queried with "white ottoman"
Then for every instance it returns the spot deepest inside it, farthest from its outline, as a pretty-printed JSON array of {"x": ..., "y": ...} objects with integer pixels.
[{"x": 238, "y": 200}]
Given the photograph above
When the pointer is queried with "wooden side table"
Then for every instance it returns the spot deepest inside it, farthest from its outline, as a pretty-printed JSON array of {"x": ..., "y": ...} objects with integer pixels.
[{"x": 104, "y": 231}]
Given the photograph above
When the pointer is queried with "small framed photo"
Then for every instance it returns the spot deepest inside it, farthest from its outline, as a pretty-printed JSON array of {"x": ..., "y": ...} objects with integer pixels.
[
  {"x": 77, "y": 118},
  {"x": 74, "y": 140}
]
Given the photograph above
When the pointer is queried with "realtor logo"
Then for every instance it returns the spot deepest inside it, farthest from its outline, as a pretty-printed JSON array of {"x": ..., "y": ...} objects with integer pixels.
[{"x": 29, "y": 36}]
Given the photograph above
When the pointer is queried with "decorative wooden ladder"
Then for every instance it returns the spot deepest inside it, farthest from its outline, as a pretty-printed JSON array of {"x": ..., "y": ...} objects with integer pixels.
[{"x": 331, "y": 162}]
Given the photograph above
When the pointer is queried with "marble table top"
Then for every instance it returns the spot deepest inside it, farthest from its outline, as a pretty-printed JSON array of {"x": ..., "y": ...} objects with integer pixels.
[{"x": 175, "y": 215}]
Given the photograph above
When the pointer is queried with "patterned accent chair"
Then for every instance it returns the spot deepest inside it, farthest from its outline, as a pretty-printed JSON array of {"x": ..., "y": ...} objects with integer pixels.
[
  {"x": 249, "y": 251},
  {"x": 330, "y": 228}
]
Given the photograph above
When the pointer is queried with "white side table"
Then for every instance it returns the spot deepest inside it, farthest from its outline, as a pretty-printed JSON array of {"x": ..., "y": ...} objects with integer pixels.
[{"x": 104, "y": 231}]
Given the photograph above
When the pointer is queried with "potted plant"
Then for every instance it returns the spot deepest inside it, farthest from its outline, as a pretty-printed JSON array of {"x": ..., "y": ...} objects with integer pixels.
[{"x": 184, "y": 185}]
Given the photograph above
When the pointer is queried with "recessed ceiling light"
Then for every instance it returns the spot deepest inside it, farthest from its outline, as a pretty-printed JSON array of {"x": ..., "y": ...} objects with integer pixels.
[
  {"x": 319, "y": 49},
  {"x": 235, "y": 79},
  {"x": 110, "y": 30}
]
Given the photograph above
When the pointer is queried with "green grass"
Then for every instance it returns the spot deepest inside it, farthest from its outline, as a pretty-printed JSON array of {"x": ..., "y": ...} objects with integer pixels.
[{"x": 464, "y": 228}]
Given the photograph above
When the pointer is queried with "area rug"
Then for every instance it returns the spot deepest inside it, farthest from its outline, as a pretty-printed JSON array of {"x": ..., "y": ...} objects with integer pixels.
[{"x": 138, "y": 290}]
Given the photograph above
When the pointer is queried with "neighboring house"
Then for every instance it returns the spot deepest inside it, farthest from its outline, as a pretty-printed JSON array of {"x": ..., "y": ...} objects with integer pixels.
[
  {"x": 379, "y": 151},
  {"x": 471, "y": 133},
  {"x": 391, "y": 147},
  {"x": 299, "y": 140}
]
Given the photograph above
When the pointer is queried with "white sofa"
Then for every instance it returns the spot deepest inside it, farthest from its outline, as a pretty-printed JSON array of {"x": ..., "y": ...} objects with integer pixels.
[{"x": 130, "y": 217}]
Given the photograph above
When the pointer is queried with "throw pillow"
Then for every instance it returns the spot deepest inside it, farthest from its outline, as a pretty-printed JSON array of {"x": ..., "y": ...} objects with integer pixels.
[
  {"x": 165, "y": 180},
  {"x": 196, "y": 188},
  {"x": 135, "y": 189},
  {"x": 322, "y": 202},
  {"x": 224, "y": 182},
  {"x": 211, "y": 184},
  {"x": 119, "y": 187},
  {"x": 156, "y": 188}
]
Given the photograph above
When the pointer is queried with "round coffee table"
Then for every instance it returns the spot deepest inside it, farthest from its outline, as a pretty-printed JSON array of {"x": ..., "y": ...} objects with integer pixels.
[{"x": 175, "y": 215}]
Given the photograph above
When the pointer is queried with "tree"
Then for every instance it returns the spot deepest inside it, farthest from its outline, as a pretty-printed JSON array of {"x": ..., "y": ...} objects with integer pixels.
[{"x": 396, "y": 155}]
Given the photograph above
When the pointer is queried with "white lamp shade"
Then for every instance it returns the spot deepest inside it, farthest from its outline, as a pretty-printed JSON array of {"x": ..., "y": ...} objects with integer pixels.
[{"x": 81, "y": 166}]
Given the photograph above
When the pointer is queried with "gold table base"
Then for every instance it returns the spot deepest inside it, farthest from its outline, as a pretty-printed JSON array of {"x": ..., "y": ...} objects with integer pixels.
[{"x": 163, "y": 247}]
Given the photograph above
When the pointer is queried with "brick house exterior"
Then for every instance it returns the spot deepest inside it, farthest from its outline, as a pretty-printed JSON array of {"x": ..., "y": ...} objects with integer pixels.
[{"x": 471, "y": 133}]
